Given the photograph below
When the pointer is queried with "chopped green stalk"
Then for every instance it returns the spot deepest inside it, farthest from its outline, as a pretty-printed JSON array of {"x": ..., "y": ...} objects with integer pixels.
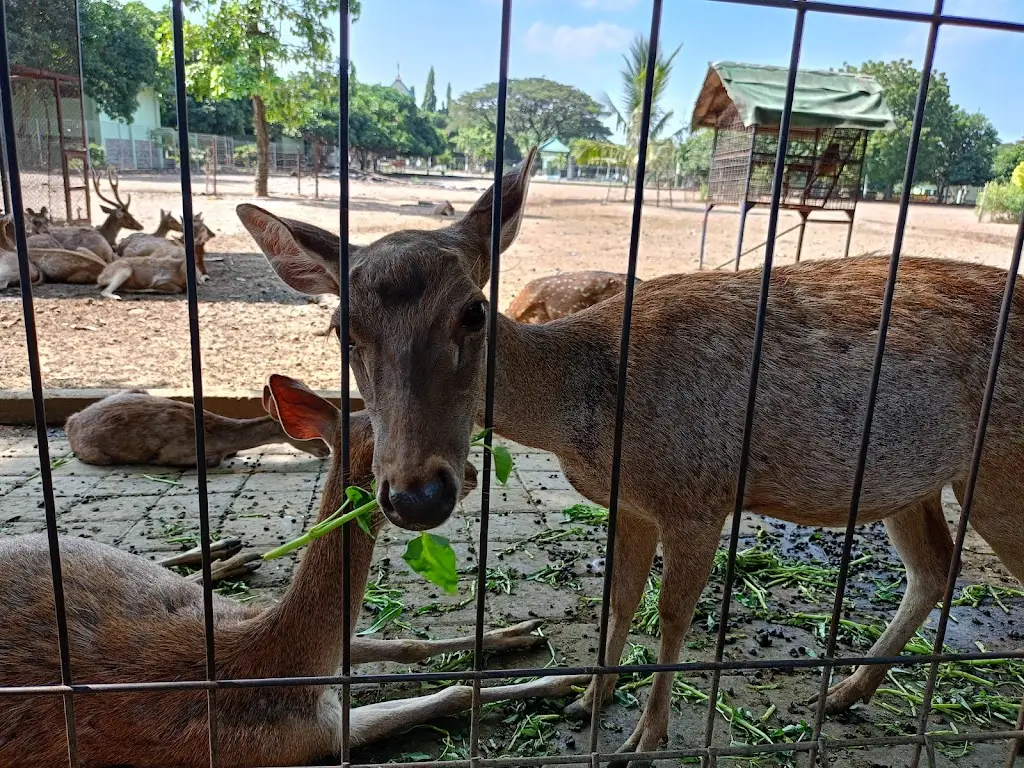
[{"x": 323, "y": 528}]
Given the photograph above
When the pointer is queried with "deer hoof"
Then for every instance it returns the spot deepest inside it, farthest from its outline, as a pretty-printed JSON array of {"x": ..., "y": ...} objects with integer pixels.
[
  {"x": 204, "y": 279},
  {"x": 113, "y": 296}
]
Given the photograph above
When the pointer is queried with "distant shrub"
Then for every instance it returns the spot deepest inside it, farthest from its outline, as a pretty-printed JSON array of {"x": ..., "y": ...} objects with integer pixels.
[
  {"x": 1017, "y": 177},
  {"x": 97, "y": 156},
  {"x": 245, "y": 155},
  {"x": 1003, "y": 200}
]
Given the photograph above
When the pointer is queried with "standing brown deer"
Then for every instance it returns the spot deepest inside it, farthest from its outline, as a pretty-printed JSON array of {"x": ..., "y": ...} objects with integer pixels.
[
  {"x": 100, "y": 240},
  {"x": 418, "y": 320},
  {"x": 141, "y": 243},
  {"x": 549, "y": 298},
  {"x": 134, "y": 427},
  {"x": 132, "y": 620}
]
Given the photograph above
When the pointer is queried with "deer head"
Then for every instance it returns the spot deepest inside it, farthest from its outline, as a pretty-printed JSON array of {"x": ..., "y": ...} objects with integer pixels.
[
  {"x": 38, "y": 221},
  {"x": 116, "y": 208},
  {"x": 170, "y": 222},
  {"x": 418, "y": 321}
]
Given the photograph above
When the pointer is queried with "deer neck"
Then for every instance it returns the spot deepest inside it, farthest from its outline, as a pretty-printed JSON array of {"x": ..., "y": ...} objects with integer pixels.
[
  {"x": 303, "y": 633},
  {"x": 242, "y": 434},
  {"x": 109, "y": 229},
  {"x": 534, "y": 389},
  {"x": 162, "y": 230}
]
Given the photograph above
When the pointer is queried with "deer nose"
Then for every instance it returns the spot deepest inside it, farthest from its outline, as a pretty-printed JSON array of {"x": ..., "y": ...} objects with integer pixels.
[{"x": 420, "y": 506}]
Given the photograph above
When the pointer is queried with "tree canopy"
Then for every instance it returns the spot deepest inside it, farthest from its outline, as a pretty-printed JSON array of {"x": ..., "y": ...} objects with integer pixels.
[
  {"x": 384, "y": 122},
  {"x": 536, "y": 109},
  {"x": 429, "y": 95},
  {"x": 1007, "y": 158}
]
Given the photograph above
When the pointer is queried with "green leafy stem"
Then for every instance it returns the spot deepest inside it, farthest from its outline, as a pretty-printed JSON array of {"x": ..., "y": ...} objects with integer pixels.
[{"x": 429, "y": 555}]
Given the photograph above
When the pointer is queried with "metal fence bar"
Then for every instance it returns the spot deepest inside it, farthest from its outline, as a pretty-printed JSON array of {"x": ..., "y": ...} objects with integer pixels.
[
  {"x": 972, "y": 477},
  {"x": 17, "y": 212},
  {"x": 344, "y": 256},
  {"x": 876, "y": 367},
  {"x": 647, "y": 106},
  {"x": 479, "y": 662},
  {"x": 177, "y": 24},
  {"x": 755, "y": 360}
]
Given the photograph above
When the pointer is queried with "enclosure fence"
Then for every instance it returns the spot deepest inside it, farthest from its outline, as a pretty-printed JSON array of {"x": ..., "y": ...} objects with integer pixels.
[{"x": 817, "y": 749}]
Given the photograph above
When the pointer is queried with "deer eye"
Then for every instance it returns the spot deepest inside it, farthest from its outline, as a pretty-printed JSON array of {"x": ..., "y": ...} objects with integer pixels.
[{"x": 474, "y": 316}]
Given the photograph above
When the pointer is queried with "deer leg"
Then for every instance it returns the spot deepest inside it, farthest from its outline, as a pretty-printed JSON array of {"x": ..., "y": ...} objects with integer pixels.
[
  {"x": 365, "y": 649},
  {"x": 921, "y": 536},
  {"x": 118, "y": 277},
  {"x": 377, "y": 721},
  {"x": 689, "y": 548},
  {"x": 636, "y": 540}
]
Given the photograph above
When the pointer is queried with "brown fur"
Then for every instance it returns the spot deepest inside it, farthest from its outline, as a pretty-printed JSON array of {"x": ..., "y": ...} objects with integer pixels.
[
  {"x": 10, "y": 273},
  {"x": 136, "y": 428},
  {"x": 49, "y": 264},
  {"x": 141, "y": 243},
  {"x": 131, "y": 620},
  {"x": 688, "y": 373},
  {"x": 549, "y": 298}
]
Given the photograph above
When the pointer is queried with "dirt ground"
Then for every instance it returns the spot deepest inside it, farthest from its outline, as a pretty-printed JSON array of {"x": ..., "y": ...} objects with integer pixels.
[{"x": 251, "y": 324}]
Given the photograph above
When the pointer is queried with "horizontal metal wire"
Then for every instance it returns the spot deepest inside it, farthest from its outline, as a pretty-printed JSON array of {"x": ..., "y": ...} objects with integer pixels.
[{"x": 499, "y": 674}]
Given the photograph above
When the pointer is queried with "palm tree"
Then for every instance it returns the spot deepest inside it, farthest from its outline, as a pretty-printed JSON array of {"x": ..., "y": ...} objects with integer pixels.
[{"x": 629, "y": 112}]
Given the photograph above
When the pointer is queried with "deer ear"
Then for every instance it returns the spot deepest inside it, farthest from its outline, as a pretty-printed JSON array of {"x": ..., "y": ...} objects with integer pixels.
[
  {"x": 304, "y": 256},
  {"x": 477, "y": 222},
  {"x": 301, "y": 411},
  {"x": 269, "y": 405},
  {"x": 30, "y": 212},
  {"x": 108, "y": 209}
]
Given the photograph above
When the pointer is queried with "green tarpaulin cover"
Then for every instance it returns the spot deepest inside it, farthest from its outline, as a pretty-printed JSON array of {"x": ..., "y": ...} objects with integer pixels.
[{"x": 821, "y": 99}]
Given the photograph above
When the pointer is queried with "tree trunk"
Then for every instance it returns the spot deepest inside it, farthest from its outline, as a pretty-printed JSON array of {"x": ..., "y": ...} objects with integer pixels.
[{"x": 259, "y": 117}]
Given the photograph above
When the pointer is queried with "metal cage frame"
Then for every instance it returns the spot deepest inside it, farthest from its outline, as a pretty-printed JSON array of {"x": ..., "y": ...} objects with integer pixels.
[{"x": 817, "y": 748}]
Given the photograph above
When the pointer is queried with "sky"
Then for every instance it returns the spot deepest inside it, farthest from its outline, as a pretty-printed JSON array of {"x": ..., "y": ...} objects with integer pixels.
[{"x": 581, "y": 42}]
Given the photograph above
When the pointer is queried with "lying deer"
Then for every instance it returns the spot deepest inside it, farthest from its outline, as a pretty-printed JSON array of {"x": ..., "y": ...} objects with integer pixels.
[
  {"x": 52, "y": 265},
  {"x": 142, "y": 243},
  {"x": 163, "y": 271},
  {"x": 38, "y": 222},
  {"x": 132, "y": 620},
  {"x": 548, "y": 298},
  {"x": 10, "y": 274},
  {"x": 134, "y": 427},
  {"x": 418, "y": 320},
  {"x": 100, "y": 240}
]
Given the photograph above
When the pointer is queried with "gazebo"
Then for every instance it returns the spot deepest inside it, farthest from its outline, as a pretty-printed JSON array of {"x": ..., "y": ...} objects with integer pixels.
[{"x": 833, "y": 113}]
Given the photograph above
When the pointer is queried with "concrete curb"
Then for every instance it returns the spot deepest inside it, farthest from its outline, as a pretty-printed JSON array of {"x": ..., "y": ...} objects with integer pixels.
[{"x": 16, "y": 406}]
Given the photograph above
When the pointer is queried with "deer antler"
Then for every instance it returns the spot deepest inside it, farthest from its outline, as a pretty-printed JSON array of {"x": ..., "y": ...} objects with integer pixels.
[
  {"x": 115, "y": 181},
  {"x": 99, "y": 192}
]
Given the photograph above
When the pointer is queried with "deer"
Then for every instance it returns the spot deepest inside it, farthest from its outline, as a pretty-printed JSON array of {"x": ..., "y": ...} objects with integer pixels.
[
  {"x": 141, "y": 243},
  {"x": 10, "y": 273},
  {"x": 163, "y": 271},
  {"x": 100, "y": 240},
  {"x": 548, "y": 298},
  {"x": 52, "y": 265},
  {"x": 134, "y": 427},
  {"x": 418, "y": 320},
  {"x": 39, "y": 222},
  {"x": 133, "y": 620},
  {"x": 175, "y": 246}
]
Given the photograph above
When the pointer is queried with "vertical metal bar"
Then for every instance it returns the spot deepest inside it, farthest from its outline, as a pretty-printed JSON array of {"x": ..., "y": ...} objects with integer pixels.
[
  {"x": 177, "y": 24},
  {"x": 972, "y": 476},
  {"x": 627, "y": 318},
  {"x": 755, "y": 366},
  {"x": 65, "y": 171},
  {"x": 876, "y": 369},
  {"x": 744, "y": 205},
  {"x": 17, "y": 211},
  {"x": 708, "y": 205},
  {"x": 849, "y": 232},
  {"x": 492, "y": 349},
  {"x": 346, "y": 405},
  {"x": 800, "y": 237}
]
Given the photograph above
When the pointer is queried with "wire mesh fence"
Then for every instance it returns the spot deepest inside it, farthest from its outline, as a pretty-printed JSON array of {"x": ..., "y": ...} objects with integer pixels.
[{"x": 206, "y": 693}]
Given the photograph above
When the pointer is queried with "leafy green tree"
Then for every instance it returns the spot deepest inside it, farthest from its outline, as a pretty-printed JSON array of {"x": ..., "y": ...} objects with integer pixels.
[
  {"x": 383, "y": 122},
  {"x": 968, "y": 150},
  {"x": 429, "y": 96},
  {"x": 238, "y": 48},
  {"x": 887, "y": 150},
  {"x": 694, "y": 155},
  {"x": 536, "y": 109},
  {"x": 447, "y": 100},
  {"x": 118, "y": 48},
  {"x": 1007, "y": 158}
]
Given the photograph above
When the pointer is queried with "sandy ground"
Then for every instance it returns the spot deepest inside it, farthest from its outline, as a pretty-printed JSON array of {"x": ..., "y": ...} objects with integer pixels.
[
  {"x": 545, "y": 562},
  {"x": 251, "y": 324}
]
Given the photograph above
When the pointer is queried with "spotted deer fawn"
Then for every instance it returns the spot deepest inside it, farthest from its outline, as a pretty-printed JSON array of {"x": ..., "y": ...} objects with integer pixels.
[
  {"x": 549, "y": 298},
  {"x": 100, "y": 240},
  {"x": 132, "y": 620},
  {"x": 142, "y": 243},
  {"x": 134, "y": 427},
  {"x": 418, "y": 320}
]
